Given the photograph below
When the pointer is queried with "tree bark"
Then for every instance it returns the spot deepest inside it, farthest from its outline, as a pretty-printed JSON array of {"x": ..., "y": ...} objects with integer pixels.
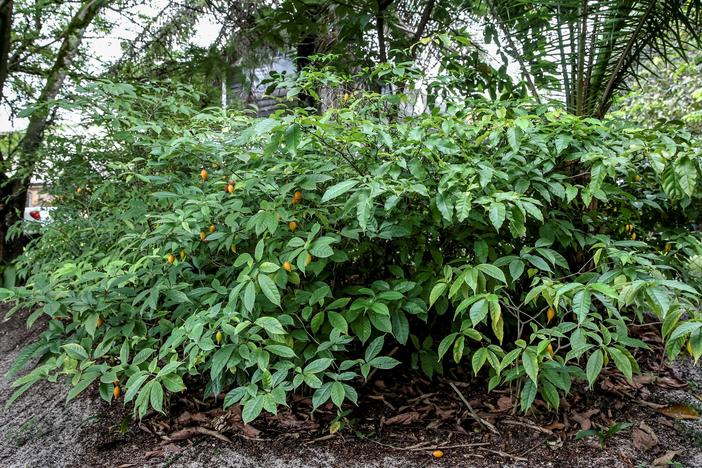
[
  {"x": 14, "y": 188},
  {"x": 5, "y": 29}
]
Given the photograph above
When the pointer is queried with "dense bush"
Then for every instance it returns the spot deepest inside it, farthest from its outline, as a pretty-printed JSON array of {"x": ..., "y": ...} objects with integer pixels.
[{"x": 291, "y": 254}]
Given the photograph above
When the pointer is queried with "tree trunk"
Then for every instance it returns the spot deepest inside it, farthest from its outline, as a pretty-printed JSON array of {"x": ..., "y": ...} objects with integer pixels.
[
  {"x": 5, "y": 28},
  {"x": 14, "y": 188}
]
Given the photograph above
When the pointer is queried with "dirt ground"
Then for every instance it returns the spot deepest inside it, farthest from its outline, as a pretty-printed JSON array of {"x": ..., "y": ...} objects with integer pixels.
[{"x": 397, "y": 424}]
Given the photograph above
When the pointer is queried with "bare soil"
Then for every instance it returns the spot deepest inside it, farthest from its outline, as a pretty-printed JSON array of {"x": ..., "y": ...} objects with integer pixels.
[{"x": 400, "y": 421}]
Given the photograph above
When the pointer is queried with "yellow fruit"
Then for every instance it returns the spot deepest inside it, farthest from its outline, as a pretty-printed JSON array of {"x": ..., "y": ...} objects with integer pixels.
[
  {"x": 99, "y": 322},
  {"x": 171, "y": 258},
  {"x": 230, "y": 188},
  {"x": 437, "y": 454},
  {"x": 297, "y": 197},
  {"x": 549, "y": 348},
  {"x": 308, "y": 260},
  {"x": 633, "y": 236},
  {"x": 116, "y": 391},
  {"x": 202, "y": 235},
  {"x": 182, "y": 254},
  {"x": 346, "y": 97},
  {"x": 550, "y": 314},
  {"x": 213, "y": 228},
  {"x": 218, "y": 337},
  {"x": 78, "y": 190},
  {"x": 287, "y": 267},
  {"x": 637, "y": 178},
  {"x": 293, "y": 226},
  {"x": 203, "y": 174}
]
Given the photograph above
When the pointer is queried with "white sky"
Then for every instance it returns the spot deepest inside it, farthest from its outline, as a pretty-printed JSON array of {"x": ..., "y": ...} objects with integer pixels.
[{"x": 107, "y": 48}]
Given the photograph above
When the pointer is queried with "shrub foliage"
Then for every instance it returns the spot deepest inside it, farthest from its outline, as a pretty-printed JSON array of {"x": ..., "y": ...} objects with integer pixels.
[{"x": 510, "y": 238}]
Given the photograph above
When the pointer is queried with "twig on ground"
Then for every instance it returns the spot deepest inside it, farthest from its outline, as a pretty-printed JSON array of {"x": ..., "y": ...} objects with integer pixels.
[
  {"x": 481, "y": 421},
  {"x": 504, "y": 454},
  {"x": 422, "y": 446},
  {"x": 189, "y": 432},
  {"x": 515, "y": 422},
  {"x": 320, "y": 439}
]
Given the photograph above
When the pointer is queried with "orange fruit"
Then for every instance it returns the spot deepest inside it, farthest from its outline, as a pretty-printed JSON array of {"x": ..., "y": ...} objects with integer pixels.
[
  {"x": 550, "y": 314},
  {"x": 308, "y": 259},
  {"x": 116, "y": 391},
  {"x": 297, "y": 197},
  {"x": 78, "y": 190},
  {"x": 437, "y": 454},
  {"x": 293, "y": 226},
  {"x": 230, "y": 188},
  {"x": 287, "y": 267},
  {"x": 203, "y": 174},
  {"x": 171, "y": 258},
  {"x": 99, "y": 322}
]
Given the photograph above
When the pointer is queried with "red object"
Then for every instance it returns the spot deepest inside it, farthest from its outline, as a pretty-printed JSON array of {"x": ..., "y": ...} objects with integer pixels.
[{"x": 35, "y": 214}]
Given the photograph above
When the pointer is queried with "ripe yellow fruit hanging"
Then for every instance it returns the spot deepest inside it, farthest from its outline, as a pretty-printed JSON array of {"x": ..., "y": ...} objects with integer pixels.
[
  {"x": 213, "y": 228},
  {"x": 346, "y": 97},
  {"x": 287, "y": 266},
  {"x": 308, "y": 260},
  {"x": 297, "y": 197},
  {"x": 550, "y": 314},
  {"x": 437, "y": 454},
  {"x": 171, "y": 258},
  {"x": 218, "y": 337},
  {"x": 116, "y": 391},
  {"x": 549, "y": 348},
  {"x": 182, "y": 254},
  {"x": 203, "y": 174},
  {"x": 230, "y": 188},
  {"x": 633, "y": 236},
  {"x": 293, "y": 226},
  {"x": 202, "y": 235},
  {"x": 78, "y": 190}
]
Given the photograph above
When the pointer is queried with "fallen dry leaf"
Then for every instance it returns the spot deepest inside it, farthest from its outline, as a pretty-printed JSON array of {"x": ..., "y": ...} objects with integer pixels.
[
  {"x": 679, "y": 412},
  {"x": 404, "y": 418},
  {"x": 666, "y": 458},
  {"x": 556, "y": 425},
  {"x": 644, "y": 437},
  {"x": 669, "y": 382},
  {"x": 584, "y": 418}
]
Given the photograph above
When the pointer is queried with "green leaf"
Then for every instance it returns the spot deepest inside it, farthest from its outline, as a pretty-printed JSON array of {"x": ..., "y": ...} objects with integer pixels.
[
  {"x": 75, "y": 351},
  {"x": 252, "y": 409},
  {"x": 281, "y": 350},
  {"x": 531, "y": 364},
  {"x": 497, "y": 215},
  {"x": 271, "y": 325},
  {"x": 581, "y": 304},
  {"x": 337, "y": 393},
  {"x": 338, "y": 190},
  {"x": 436, "y": 292},
  {"x": 338, "y": 321},
  {"x": 528, "y": 395},
  {"x": 492, "y": 270},
  {"x": 478, "y": 359},
  {"x": 156, "y": 396},
  {"x": 621, "y": 361},
  {"x": 270, "y": 290},
  {"x": 594, "y": 366},
  {"x": 446, "y": 344}
]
